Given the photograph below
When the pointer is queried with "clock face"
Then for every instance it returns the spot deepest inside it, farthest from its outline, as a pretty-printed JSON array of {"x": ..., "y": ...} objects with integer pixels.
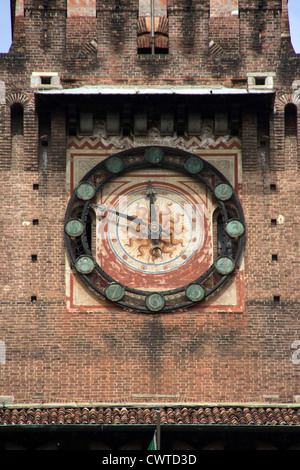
[
  {"x": 154, "y": 229},
  {"x": 164, "y": 244}
]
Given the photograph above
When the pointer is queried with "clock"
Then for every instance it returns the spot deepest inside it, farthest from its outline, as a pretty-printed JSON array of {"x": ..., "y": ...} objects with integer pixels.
[{"x": 154, "y": 229}]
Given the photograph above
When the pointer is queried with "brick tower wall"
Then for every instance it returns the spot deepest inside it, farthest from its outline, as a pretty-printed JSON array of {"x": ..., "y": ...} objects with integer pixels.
[{"x": 57, "y": 354}]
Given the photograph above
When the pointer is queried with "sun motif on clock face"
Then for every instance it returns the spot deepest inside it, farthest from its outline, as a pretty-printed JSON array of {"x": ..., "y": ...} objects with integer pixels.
[
  {"x": 143, "y": 237},
  {"x": 176, "y": 223},
  {"x": 153, "y": 245}
]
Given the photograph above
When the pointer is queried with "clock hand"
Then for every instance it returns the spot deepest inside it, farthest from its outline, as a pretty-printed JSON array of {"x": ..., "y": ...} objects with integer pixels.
[
  {"x": 154, "y": 227},
  {"x": 151, "y": 194},
  {"x": 103, "y": 208},
  {"x": 136, "y": 220},
  {"x": 156, "y": 251}
]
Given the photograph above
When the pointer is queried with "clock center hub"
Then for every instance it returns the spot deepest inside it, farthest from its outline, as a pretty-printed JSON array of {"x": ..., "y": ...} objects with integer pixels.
[{"x": 154, "y": 229}]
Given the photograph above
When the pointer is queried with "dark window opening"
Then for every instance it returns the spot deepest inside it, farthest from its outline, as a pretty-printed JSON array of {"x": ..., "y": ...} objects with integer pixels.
[
  {"x": 290, "y": 120},
  {"x": 46, "y": 80},
  {"x": 148, "y": 51},
  {"x": 17, "y": 132},
  {"x": 17, "y": 118},
  {"x": 260, "y": 81}
]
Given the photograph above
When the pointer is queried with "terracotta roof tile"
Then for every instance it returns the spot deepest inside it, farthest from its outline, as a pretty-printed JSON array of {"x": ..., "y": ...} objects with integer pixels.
[{"x": 187, "y": 415}]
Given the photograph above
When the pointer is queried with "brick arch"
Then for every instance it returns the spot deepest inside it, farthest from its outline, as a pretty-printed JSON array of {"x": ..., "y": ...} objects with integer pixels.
[
  {"x": 289, "y": 98},
  {"x": 18, "y": 98},
  {"x": 282, "y": 101}
]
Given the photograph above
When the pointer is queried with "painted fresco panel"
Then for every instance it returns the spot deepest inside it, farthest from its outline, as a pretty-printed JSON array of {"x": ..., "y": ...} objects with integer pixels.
[
  {"x": 223, "y": 7},
  {"x": 20, "y": 8},
  {"x": 116, "y": 249},
  {"x": 81, "y": 8},
  {"x": 160, "y": 7}
]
